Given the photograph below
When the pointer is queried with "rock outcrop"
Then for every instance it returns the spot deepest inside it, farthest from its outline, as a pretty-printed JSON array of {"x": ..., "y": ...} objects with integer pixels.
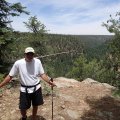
[{"x": 72, "y": 100}]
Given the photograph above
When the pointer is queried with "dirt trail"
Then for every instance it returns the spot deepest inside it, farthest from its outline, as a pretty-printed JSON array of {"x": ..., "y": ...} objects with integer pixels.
[{"x": 73, "y": 100}]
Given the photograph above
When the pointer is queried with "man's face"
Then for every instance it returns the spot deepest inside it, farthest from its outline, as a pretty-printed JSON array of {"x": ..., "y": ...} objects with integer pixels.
[{"x": 29, "y": 56}]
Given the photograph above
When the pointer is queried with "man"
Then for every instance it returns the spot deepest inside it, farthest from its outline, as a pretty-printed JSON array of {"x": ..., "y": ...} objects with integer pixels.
[{"x": 29, "y": 70}]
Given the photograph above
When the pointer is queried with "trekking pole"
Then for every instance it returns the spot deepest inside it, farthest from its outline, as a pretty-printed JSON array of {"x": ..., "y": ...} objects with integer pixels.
[{"x": 52, "y": 98}]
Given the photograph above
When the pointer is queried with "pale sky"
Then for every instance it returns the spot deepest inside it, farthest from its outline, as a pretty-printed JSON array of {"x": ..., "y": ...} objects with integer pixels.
[{"x": 80, "y": 17}]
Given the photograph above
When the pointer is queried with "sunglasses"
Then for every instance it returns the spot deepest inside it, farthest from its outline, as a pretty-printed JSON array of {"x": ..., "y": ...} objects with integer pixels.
[{"x": 30, "y": 53}]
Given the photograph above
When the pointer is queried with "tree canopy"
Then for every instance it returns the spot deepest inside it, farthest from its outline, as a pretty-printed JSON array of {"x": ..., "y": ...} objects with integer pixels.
[
  {"x": 35, "y": 26},
  {"x": 8, "y": 10}
]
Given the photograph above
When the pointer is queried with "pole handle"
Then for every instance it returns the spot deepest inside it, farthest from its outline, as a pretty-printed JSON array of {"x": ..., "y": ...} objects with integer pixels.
[{"x": 51, "y": 79}]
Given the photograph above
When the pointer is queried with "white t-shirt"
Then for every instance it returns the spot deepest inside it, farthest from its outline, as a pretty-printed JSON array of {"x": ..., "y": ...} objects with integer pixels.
[{"x": 29, "y": 73}]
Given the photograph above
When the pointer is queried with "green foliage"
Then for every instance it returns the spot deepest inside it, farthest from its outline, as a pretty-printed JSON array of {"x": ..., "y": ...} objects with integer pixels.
[
  {"x": 116, "y": 93},
  {"x": 84, "y": 69},
  {"x": 35, "y": 26},
  {"x": 91, "y": 69},
  {"x": 113, "y": 56},
  {"x": 97, "y": 70},
  {"x": 9, "y": 86},
  {"x": 112, "y": 24},
  {"x": 1, "y": 77},
  {"x": 46, "y": 89},
  {"x": 37, "y": 38},
  {"x": 58, "y": 65},
  {"x": 7, "y": 10},
  {"x": 1, "y": 91}
]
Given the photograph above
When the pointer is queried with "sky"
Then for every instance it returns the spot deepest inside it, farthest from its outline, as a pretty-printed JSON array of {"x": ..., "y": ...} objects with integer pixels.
[{"x": 77, "y": 17}]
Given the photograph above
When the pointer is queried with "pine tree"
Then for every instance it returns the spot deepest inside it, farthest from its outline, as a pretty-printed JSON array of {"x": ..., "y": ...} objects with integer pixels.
[{"x": 8, "y": 10}]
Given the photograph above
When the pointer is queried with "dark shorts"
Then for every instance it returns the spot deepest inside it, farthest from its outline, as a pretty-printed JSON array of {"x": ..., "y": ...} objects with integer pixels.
[{"x": 26, "y": 99}]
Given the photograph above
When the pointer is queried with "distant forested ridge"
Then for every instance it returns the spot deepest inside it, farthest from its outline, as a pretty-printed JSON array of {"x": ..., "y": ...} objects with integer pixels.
[
  {"x": 80, "y": 44},
  {"x": 57, "y": 65}
]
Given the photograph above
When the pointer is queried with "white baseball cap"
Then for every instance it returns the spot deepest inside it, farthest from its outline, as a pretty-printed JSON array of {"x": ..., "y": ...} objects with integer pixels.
[{"x": 29, "y": 49}]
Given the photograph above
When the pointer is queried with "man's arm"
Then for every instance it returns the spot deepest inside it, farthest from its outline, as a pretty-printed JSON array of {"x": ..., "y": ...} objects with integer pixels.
[
  {"x": 47, "y": 79},
  {"x": 5, "y": 81}
]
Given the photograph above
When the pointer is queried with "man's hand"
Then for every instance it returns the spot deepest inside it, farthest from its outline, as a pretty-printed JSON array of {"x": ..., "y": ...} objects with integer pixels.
[
  {"x": 52, "y": 83},
  {"x": 48, "y": 79}
]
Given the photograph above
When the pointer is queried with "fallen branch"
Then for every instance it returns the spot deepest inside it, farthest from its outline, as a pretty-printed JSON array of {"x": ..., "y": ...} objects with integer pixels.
[{"x": 55, "y": 54}]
